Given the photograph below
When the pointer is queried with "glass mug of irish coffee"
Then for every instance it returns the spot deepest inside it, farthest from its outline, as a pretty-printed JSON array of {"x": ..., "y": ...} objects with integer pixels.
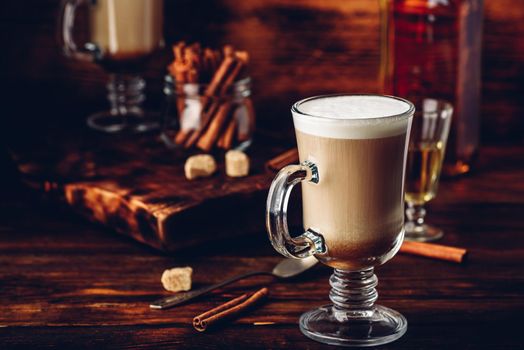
[
  {"x": 352, "y": 151},
  {"x": 123, "y": 34},
  {"x": 427, "y": 145}
]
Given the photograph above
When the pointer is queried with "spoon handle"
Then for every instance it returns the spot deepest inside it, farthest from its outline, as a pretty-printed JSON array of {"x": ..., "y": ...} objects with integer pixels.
[{"x": 179, "y": 298}]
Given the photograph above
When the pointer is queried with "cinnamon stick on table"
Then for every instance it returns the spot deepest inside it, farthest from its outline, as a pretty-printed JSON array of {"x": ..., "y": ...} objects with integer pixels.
[
  {"x": 228, "y": 310},
  {"x": 280, "y": 161},
  {"x": 436, "y": 251}
]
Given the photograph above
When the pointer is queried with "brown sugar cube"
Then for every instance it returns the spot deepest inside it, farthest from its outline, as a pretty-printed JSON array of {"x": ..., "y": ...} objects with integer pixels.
[
  {"x": 200, "y": 165},
  {"x": 237, "y": 163},
  {"x": 177, "y": 279}
]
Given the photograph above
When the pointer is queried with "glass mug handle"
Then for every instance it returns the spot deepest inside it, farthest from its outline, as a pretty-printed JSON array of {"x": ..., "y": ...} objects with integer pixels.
[
  {"x": 90, "y": 51},
  {"x": 308, "y": 243}
]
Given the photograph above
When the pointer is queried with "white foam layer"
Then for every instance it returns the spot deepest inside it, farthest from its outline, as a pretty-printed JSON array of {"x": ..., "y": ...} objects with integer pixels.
[{"x": 352, "y": 116}]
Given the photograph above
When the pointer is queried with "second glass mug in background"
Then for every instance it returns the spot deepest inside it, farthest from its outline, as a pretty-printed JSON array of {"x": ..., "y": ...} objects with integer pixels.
[
  {"x": 123, "y": 35},
  {"x": 352, "y": 150},
  {"x": 427, "y": 146}
]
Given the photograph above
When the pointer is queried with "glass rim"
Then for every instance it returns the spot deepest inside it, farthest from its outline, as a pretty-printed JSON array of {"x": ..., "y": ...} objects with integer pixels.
[
  {"x": 295, "y": 108},
  {"x": 168, "y": 78},
  {"x": 442, "y": 105}
]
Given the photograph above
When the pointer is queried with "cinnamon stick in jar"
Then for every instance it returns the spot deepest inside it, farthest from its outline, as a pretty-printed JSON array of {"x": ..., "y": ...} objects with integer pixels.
[
  {"x": 210, "y": 136},
  {"x": 220, "y": 76},
  {"x": 226, "y": 140},
  {"x": 190, "y": 76},
  {"x": 221, "y": 69},
  {"x": 209, "y": 103}
]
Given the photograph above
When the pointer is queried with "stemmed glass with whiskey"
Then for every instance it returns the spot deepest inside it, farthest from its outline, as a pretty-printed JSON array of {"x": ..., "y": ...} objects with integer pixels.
[{"x": 429, "y": 134}]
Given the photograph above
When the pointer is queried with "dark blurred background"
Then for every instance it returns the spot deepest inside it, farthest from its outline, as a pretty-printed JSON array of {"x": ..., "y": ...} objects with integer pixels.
[{"x": 298, "y": 48}]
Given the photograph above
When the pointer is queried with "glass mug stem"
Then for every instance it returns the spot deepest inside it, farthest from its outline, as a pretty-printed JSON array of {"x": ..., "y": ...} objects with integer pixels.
[
  {"x": 126, "y": 94},
  {"x": 353, "y": 293},
  {"x": 415, "y": 214},
  {"x": 310, "y": 242},
  {"x": 416, "y": 228}
]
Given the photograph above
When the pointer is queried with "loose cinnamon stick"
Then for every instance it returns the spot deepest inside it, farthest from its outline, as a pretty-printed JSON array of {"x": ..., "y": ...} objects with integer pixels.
[
  {"x": 217, "y": 310},
  {"x": 228, "y": 310},
  {"x": 264, "y": 323},
  {"x": 282, "y": 160},
  {"x": 436, "y": 251}
]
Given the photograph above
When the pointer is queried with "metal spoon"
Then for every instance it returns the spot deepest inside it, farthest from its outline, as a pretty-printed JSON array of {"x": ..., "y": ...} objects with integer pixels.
[{"x": 284, "y": 269}]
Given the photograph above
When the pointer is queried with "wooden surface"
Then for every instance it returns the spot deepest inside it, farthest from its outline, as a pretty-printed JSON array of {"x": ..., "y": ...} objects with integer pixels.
[
  {"x": 137, "y": 187},
  {"x": 298, "y": 48},
  {"x": 65, "y": 284}
]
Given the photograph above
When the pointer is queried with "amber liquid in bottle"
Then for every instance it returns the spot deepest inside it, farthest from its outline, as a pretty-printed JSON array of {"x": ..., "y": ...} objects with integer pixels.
[{"x": 431, "y": 48}]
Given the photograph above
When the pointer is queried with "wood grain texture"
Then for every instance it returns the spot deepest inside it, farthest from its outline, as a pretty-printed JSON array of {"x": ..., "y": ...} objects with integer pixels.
[
  {"x": 138, "y": 188},
  {"x": 298, "y": 48},
  {"x": 67, "y": 285}
]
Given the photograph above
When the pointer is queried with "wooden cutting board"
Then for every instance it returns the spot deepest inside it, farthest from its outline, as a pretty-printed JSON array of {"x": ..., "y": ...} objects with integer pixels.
[{"x": 137, "y": 187}]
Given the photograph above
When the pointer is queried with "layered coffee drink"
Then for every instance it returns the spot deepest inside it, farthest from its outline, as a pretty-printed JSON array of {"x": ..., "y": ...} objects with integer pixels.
[
  {"x": 358, "y": 143},
  {"x": 352, "y": 151},
  {"x": 126, "y": 31}
]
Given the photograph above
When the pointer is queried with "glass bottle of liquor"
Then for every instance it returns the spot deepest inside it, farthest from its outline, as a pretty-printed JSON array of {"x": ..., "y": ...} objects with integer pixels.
[{"x": 432, "y": 49}]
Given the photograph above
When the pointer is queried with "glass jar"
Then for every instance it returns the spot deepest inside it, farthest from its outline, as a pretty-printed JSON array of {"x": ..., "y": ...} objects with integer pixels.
[{"x": 195, "y": 119}]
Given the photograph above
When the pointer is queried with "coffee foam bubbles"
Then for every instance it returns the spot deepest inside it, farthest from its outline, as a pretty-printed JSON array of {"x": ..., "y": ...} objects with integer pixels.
[{"x": 351, "y": 116}]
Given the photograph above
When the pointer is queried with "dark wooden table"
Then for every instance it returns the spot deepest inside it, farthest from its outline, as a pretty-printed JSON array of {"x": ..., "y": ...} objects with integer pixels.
[{"x": 68, "y": 284}]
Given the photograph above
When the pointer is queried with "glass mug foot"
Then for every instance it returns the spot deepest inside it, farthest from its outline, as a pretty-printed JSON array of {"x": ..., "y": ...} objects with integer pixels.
[
  {"x": 128, "y": 123},
  {"x": 382, "y": 326},
  {"x": 424, "y": 233},
  {"x": 125, "y": 93}
]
